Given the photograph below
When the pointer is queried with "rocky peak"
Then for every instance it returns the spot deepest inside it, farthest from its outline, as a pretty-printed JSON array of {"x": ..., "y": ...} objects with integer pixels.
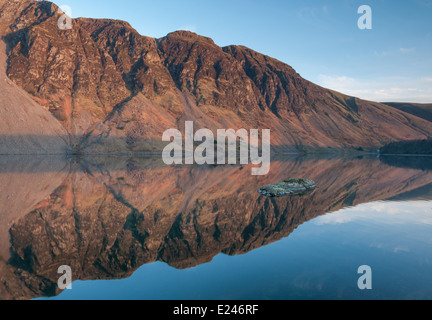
[
  {"x": 103, "y": 78},
  {"x": 24, "y": 14},
  {"x": 188, "y": 36}
]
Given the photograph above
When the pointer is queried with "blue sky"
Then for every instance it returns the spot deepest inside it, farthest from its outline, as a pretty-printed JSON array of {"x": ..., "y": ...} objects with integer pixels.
[{"x": 320, "y": 39}]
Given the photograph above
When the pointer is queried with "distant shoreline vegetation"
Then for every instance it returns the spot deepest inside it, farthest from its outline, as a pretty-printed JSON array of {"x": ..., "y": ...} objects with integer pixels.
[{"x": 420, "y": 147}]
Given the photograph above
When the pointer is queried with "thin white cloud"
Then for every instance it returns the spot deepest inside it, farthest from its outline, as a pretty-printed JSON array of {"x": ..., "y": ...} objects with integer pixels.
[
  {"x": 325, "y": 10},
  {"x": 386, "y": 89},
  {"x": 384, "y": 212},
  {"x": 383, "y": 53},
  {"x": 407, "y": 50},
  {"x": 394, "y": 52}
]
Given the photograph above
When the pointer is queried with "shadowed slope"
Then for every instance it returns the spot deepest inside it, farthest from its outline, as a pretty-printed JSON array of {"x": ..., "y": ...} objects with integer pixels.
[
  {"x": 25, "y": 127},
  {"x": 420, "y": 110}
]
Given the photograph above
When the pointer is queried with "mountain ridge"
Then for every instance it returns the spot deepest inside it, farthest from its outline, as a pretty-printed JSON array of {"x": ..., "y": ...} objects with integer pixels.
[
  {"x": 421, "y": 110},
  {"x": 116, "y": 91}
]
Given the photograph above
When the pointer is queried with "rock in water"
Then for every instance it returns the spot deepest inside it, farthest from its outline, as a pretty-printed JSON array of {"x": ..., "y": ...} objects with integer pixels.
[{"x": 288, "y": 187}]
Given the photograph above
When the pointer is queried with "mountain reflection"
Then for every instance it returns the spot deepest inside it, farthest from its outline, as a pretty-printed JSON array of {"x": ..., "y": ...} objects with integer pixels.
[{"x": 107, "y": 216}]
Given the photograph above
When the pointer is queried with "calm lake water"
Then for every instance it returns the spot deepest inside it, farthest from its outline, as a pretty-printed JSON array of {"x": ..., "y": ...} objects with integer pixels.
[{"x": 134, "y": 228}]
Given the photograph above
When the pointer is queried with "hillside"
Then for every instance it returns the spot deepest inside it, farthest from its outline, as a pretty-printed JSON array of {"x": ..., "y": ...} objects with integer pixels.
[
  {"x": 420, "y": 110},
  {"x": 25, "y": 126},
  {"x": 115, "y": 90}
]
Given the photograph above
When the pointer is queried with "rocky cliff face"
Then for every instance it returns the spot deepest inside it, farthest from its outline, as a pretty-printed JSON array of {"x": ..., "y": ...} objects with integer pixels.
[
  {"x": 106, "y": 220},
  {"x": 115, "y": 90},
  {"x": 25, "y": 126}
]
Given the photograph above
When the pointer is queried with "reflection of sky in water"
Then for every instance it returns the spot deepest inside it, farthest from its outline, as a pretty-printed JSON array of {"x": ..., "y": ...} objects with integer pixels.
[
  {"x": 319, "y": 260},
  {"x": 385, "y": 212}
]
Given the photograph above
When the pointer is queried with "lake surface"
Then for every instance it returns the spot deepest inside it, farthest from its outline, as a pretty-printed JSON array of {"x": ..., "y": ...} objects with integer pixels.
[{"x": 134, "y": 228}]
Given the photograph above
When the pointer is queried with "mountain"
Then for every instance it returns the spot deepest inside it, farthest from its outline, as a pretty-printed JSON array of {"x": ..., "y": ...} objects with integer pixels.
[
  {"x": 107, "y": 217},
  {"x": 25, "y": 126},
  {"x": 115, "y": 90},
  {"x": 421, "y": 110}
]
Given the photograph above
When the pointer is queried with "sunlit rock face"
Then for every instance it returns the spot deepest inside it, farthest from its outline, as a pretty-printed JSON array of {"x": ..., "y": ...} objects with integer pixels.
[{"x": 115, "y": 90}]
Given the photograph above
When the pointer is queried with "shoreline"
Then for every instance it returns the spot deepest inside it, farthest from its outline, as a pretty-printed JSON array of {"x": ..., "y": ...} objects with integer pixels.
[{"x": 153, "y": 154}]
